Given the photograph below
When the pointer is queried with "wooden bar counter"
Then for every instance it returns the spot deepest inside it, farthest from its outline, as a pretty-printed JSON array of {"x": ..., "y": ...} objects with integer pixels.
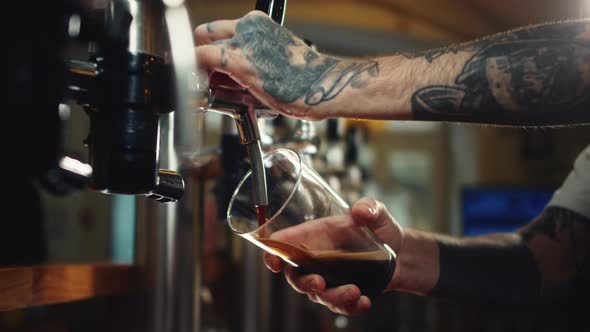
[{"x": 28, "y": 286}]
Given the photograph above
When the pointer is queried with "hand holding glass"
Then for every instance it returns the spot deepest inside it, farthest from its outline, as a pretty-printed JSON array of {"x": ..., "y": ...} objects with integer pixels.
[{"x": 309, "y": 226}]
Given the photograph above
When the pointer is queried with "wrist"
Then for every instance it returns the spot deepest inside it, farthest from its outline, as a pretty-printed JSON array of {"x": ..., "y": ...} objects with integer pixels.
[
  {"x": 390, "y": 95},
  {"x": 378, "y": 95},
  {"x": 417, "y": 263}
]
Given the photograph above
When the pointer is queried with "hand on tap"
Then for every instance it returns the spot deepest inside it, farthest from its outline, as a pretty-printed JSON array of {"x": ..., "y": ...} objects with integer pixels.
[
  {"x": 510, "y": 78},
  {"x": 279, "y": 68}
]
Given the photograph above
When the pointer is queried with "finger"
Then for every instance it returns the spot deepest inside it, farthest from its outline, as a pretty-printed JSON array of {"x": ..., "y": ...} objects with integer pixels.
[
  {"x": 362, "y": 305},
  {"x": 304, "y": 283},
  {"x": 342, "y": 296},
  {"x": 209, "y": 56},
  {"x": 365, "y": 209},
  {"x": 213, "y": 31},
  {"x": 313, "y": 298},
  {"x": 273, "y": 263},
  {"x": 371, "y": 213},
  {"x": 225, "y": 60}
]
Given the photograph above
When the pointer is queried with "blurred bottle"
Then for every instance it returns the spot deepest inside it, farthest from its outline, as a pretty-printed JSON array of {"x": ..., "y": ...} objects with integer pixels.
[
  {"x": 334, "y": 155},
  {"x": 355, "y": 175}
]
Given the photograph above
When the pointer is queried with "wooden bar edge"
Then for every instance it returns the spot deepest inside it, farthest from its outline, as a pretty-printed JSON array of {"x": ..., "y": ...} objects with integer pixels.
[{"x": 28, "y": 286}]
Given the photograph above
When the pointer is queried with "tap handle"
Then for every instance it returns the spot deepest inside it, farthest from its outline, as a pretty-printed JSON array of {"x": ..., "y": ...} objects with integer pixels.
[
  {"x": 68, "y": 176},
  {"x": 169, "y": 187},
  {"x": 274, "y": 8}
]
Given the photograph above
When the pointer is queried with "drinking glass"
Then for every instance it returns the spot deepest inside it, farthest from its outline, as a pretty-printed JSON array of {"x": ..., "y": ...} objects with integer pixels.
[{"x": 310, "y": 227}]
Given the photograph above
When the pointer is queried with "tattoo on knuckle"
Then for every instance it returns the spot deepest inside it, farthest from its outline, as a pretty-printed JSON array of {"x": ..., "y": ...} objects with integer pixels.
[{"x": 223, "y": 58}]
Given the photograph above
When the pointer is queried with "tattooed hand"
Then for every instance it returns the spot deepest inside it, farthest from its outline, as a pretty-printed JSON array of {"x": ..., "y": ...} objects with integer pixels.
[{"x": 279, "y": 68}]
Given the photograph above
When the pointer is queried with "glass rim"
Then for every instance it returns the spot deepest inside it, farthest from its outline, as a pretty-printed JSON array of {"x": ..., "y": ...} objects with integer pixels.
[{"x": 298, "y": 169}]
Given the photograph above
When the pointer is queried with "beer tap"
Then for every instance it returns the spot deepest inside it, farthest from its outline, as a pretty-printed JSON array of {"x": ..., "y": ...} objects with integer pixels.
[
  {"x": 124, "y": 88},
  {"x": 127, "y": 85},
  {"x": 227, "y": 97}
]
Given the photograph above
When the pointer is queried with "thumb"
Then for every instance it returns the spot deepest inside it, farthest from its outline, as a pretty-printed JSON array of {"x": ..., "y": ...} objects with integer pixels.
[
  {"x": 374, "y": 215},
  {"x": 371, "y": 213}
]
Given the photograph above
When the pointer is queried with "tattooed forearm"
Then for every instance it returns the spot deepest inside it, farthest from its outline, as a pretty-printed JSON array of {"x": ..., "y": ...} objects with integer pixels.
[
  {"x": 290, "y": 70},
  {"x": 335, "y": 79},
  {"x": 431, "y": 55},
  {"x": 547, "y": 31},
  {"x": 533, "y": 76},
  {"x": 560, "y": 241}
]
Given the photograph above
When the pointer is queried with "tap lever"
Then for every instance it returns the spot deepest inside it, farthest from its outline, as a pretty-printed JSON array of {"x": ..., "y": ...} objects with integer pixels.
[
  {"x": 274, "y": 8},
  {"x": 69, "y": 176},
  {"x": 169, "y": 187},
  {"x": 228, "y": 97}
]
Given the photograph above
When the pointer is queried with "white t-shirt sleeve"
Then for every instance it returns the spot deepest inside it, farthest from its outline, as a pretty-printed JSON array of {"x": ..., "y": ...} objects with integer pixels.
[{"x": 574, "y": 193}]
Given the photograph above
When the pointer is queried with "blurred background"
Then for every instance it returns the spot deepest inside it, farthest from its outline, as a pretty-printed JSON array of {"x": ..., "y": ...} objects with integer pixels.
[{"x": 455, "y": 179}]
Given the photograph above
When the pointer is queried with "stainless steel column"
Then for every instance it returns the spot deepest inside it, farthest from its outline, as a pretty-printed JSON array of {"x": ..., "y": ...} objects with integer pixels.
[{"x": 168, "y": 243}]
